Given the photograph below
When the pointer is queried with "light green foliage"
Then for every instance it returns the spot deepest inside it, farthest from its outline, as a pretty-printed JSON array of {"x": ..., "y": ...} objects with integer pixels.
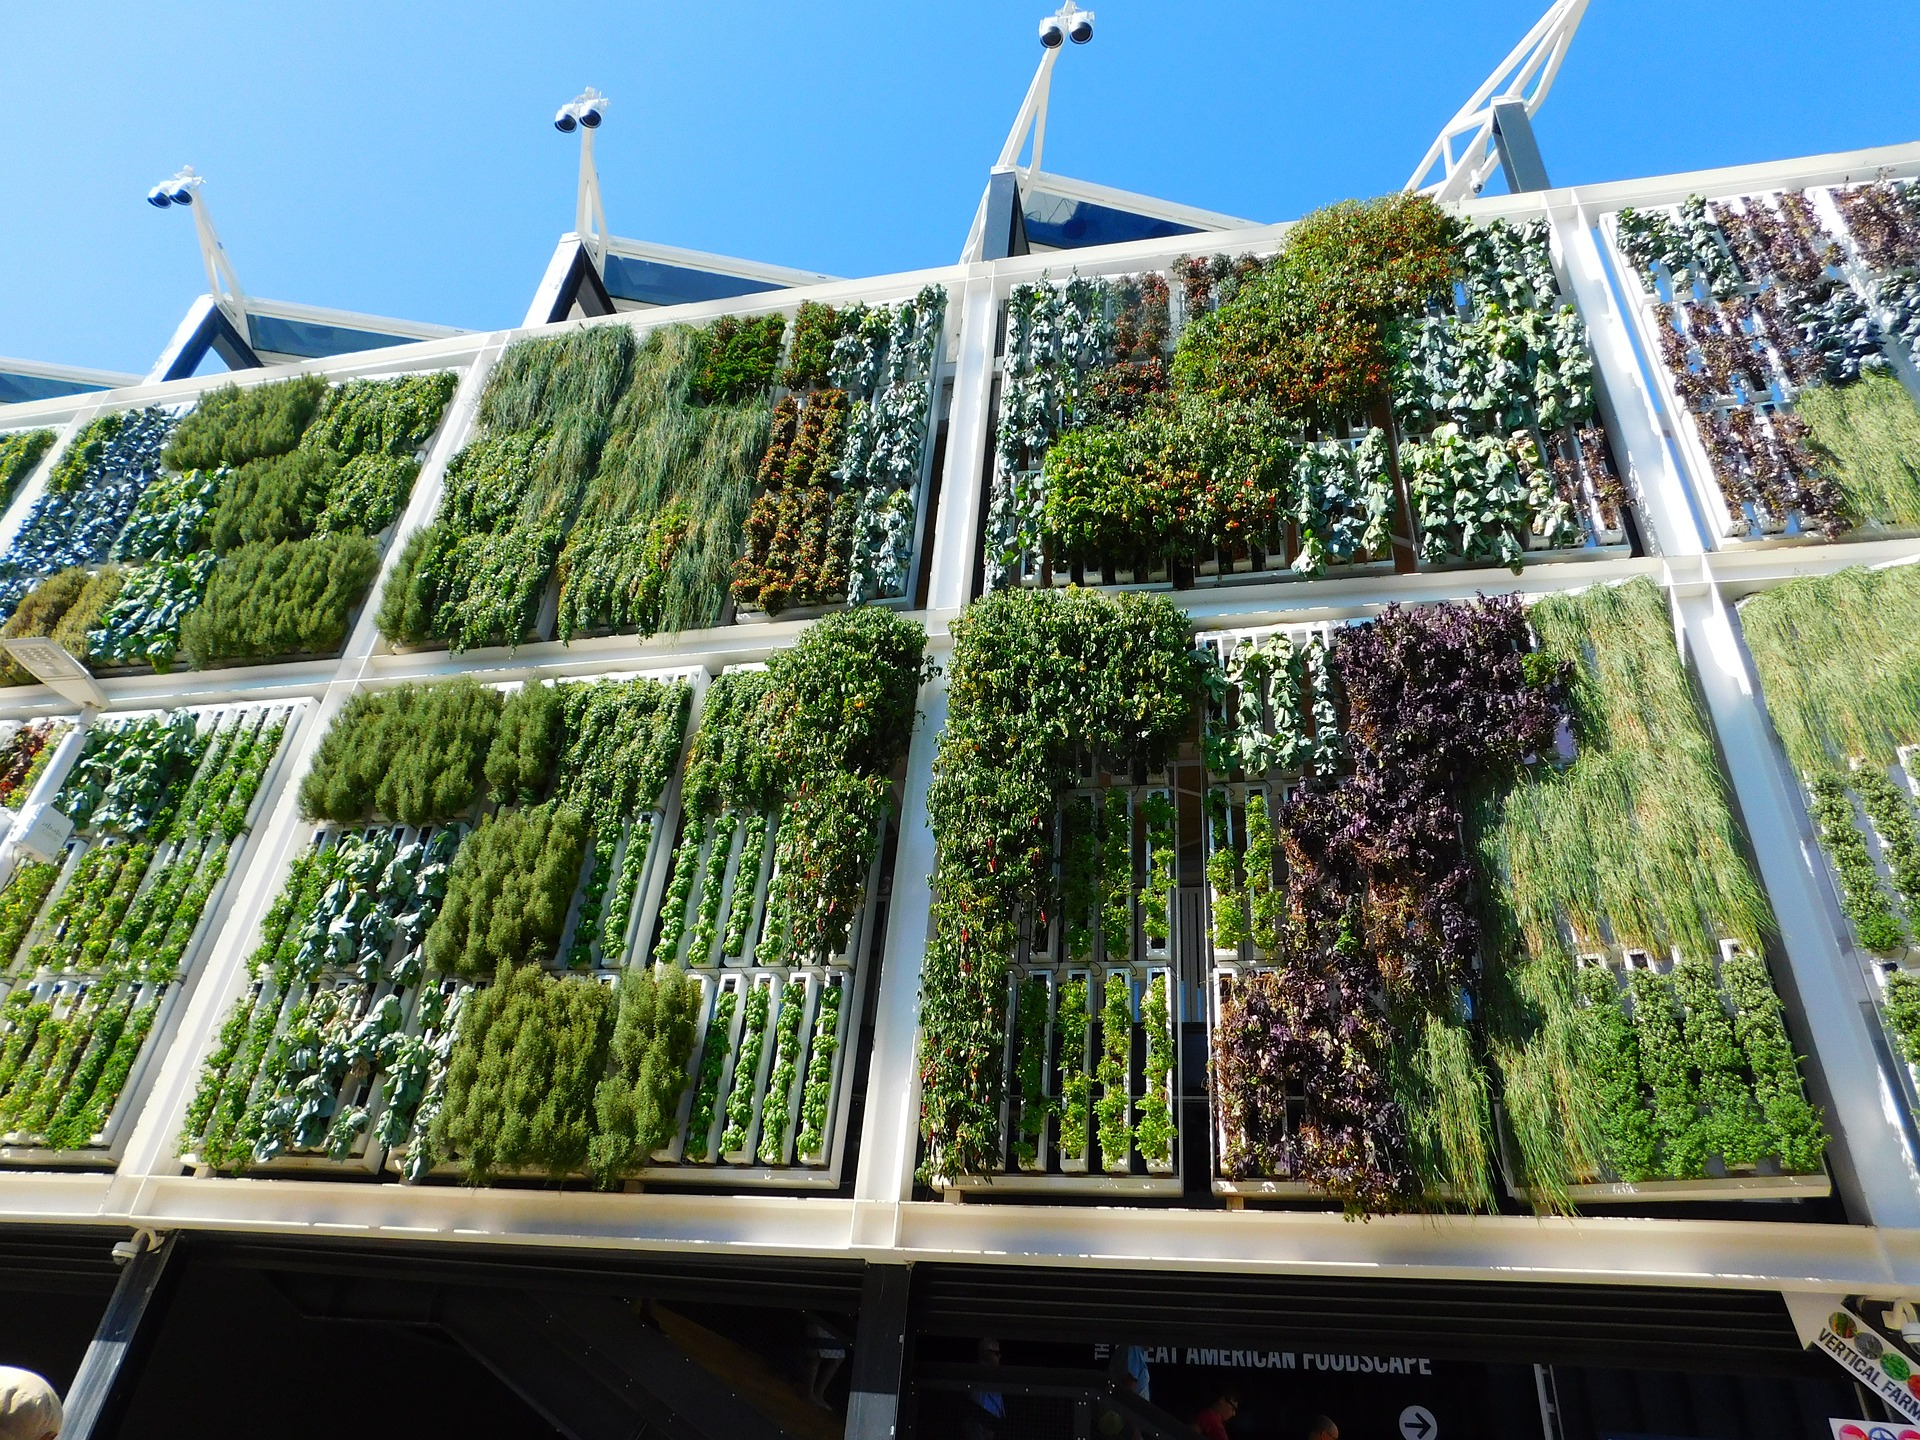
[
  {"x": 713, "y": 1060},
  {"x": 291, "y": 598},
  {"x": 40, "y": 611},
  {"x": 1443, "y": 1093},
  {"x": 508, "y": 894},
  {"x": 1903, "y": 1013},
  {"x": 1731, "y": 1126},
  {"x": 20, "y": 902},
  {"x": 1862, "y": 895},
  {"x": 1633, "y": 844},
  {"x": 622, "y": 739},
  {"x": 1116, "y": 875},
  {"x": 637, "y": 1106},
  {"x": 785, "y": 1075},
  {"x": 1076, "y": 1079},
  {"x": 1795, "y": 1132},
  {"x": 1839, "y": 661},
  {"x": 1230, "y": 928},
  {"x": 525, "y": 1069},
  {"x": 475, "y": 575},
  {"x": 20, "y": 452},
  {"x": 1030, "y": 1067},
  {"x": 231, "y": 426},
  {"x": 1156, "y": 896},
  {"x": 729, "y": 765},
  {"x": 1869, "y": 435},
  {"x": 661, "y": 521},
  {"x": 415, "y": 754},
  {"x": 1154, "y": 1127},
  {"x": 746, "y": 1069},
  {"x": 1890, "y": 807},
  {"x": 819, "y": 1092}
]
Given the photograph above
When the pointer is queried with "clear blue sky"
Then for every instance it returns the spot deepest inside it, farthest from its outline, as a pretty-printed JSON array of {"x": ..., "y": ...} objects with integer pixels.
[{"x": 398, "y": 158}]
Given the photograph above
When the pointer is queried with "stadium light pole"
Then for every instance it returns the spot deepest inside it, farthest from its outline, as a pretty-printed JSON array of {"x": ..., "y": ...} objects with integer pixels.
[{"x": 584, "y": 113}]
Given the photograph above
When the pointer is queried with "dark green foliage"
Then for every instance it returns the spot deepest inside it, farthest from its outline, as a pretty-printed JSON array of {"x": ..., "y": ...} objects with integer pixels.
[
  {"x": 729, "y": 766},
  {"x": 738, "y": 357},
  {"x": 638, "y": 1104},
  {"x": 527, "y": 743},
  {"x": 351, "y": 471},
  {"x": 19, "y": 453},
  {"x": 415, "y": 754},
  {"x": 1794, "y": 1129},
  {"x": 622, "y": 740},
  {"x": 1610, "y": 1053},
  {"x": 1038, "y": 679},
  {"x": 815, "y": 329},
  {"x": 290, "y": 598},
  {"x": 475, "y": 576},
  {"x": 847, "y": 691},
  {"x": 521, "y": 1081},
  {"x": 384, "y": 417},
  {"x": 274, "y": 498},
  {"x": 508, "y": 894},
  {"x": 231, "y": 426}
]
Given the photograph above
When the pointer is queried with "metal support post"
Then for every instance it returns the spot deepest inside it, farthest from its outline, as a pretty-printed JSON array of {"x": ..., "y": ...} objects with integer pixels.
[
  {"x": 1520, "y": 158},
  {"x": 879, "y": 1353},
  {"x": 111, "y": 1365}
]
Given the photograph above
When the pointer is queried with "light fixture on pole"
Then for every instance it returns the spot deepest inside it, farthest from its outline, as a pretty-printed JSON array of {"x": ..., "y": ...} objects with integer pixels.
[
  {"x": 223, "y": 282},
  {"x": 1069, "y": 22},
  {"x": 584, "y": 114}
]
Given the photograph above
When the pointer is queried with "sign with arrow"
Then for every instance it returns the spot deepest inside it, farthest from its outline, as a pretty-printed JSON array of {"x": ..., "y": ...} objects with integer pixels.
[
  {"x": 1417, "y": 1423},
  {"x": 1856, "y": 1347}
]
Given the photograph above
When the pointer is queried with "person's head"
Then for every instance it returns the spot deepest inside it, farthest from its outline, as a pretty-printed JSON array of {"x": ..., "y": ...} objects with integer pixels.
[
  {"x": 29, "y": 1407},
  {"x": 1226, "y": 1404},
  {"x": 989, "y": 1351},
  {"x": 1322, "y": 1428}
]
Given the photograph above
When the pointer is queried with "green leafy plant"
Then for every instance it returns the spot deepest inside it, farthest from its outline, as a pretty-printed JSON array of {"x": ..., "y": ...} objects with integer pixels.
[
  {"x": 1030, "y": 1065},
  {"x": 1154, "y": 1126},
  {"x": 415, "y": 754},
  {"x": 1156, "y": 896},
  {"x": 1038, "y": 681},
  {"x": 636, "y": 1108},
  {"x": 508, "y": 893},
  {"x": 524, "y": 1073},
  {"x": 818, "y": 1096},
  {"x": 231, "y": 425},
  {"x": 713, "y": 1061},
  {"x": 1076, "y": 1078},
  {"x": 291, "y": 598},
  {"x": 20, "y": 453},
  {"x": 776, "y": 1108},
  {"x": 746, "y": 1069}
]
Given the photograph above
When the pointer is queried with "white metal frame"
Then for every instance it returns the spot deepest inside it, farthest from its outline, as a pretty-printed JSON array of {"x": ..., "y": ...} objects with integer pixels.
[
  {"x": 1874, "y": 1170},
  {"x": 1464, "y": 150}
]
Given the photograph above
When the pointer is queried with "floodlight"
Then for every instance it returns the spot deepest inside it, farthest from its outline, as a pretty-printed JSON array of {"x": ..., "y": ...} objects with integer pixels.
[
  {"x": 180, "y": 194},
  {"x": 158, "y": 198},
  {"x": 1052, "y": 32},
  {"x": 564, "y": 121},
  {"x": 1081, "y": 30},
  {"x": 590, "y": 117}
]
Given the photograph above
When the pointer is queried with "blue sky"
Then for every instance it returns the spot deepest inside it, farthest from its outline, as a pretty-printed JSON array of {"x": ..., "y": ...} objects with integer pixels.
[{"x": 399, "y": 158}]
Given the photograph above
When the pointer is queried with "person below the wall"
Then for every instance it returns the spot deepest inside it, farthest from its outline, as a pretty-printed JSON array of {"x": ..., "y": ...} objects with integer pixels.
[
  {"x": 987, "y": 1419},
  {"x": 1212, "y": 1421},
  {"x": 29, "y": 1406}
]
